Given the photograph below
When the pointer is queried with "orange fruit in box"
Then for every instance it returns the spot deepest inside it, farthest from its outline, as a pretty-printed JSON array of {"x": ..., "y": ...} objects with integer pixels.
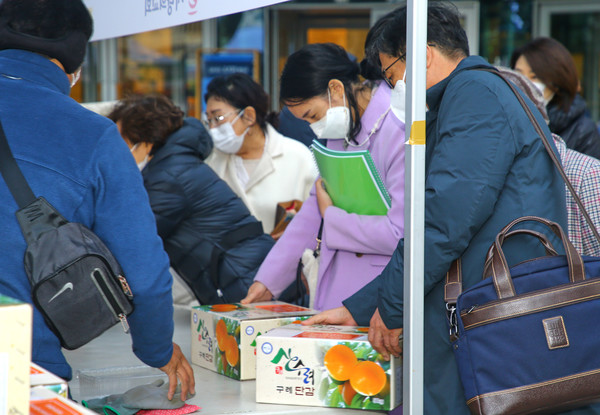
[
  {"x": 368, "y": 378},
  {"x": 340, "y": 361},
  {"x": 221, "y": 334},
  {"x": 221, "y": 308},
  {"x": 348, "y": 393},
  {"x": 232, "y": 351},
  {"x": 223, "y": 362}
]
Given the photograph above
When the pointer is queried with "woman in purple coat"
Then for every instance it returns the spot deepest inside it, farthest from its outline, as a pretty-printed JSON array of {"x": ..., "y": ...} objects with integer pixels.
[{"x": 321, "y": 85}]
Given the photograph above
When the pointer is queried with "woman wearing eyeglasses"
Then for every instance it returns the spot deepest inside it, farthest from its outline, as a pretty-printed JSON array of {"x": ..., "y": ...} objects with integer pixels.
[
  {"x": 262, "y": 166},
  {"x": 321, "y": 85},
  {"x": 214, "y": 244}
]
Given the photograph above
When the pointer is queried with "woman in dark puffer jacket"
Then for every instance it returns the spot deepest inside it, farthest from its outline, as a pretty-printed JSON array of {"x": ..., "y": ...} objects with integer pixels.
[
  {"x": 576, "y": 126},
  {"x": 212, "y": 240},
  {"x": 550, "y": 66}
]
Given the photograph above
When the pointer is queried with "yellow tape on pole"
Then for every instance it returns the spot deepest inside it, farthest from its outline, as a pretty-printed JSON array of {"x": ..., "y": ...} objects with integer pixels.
[{"x": 417, "y": 133}]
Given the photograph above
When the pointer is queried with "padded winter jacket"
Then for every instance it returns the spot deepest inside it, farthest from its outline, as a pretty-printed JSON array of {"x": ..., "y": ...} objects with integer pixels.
[
  {"x": 576, "y": 127},
  {"x": 78, "y": 161},
  {"x": 202, "y": 222},
  {"x": 485, "y": 166}
]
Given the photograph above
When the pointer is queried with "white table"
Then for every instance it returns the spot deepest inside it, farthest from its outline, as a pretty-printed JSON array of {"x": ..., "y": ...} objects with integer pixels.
[{"x": 215, "y": 394}]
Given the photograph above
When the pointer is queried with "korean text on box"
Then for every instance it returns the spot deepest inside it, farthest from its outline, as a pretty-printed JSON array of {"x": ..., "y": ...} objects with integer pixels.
[
  {"x": 330, "y": 366},
  {"x": 224, "y": 335}
]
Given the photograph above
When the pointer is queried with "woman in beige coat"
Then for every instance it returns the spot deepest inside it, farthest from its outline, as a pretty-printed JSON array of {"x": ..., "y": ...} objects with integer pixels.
[{"x": 262, "y": 166}]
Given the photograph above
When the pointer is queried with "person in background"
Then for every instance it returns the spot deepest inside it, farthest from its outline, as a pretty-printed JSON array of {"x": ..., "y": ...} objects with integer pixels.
[
  {"x": 262, "y": 166},
  {"x": 292, "y": 127},
  {"x": 582, "y": 170},
  {"x": 550, "y": 66},
  {"x": 77, "y": 161},
  {"x": 485, "y": 166},
  {"x": 321, "y": 85},
  {"x": 214, "y": 244}
]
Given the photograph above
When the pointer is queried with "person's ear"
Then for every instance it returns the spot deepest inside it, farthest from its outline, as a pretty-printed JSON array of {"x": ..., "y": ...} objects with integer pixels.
[
  {"x": 249, "y": 116},
  {"x": 336, "y": 92},
  {"x": 430, "y": 56}
]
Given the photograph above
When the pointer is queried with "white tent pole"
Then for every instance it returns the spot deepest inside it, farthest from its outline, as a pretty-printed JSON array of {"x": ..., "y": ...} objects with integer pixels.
[{"x": 414, "y": 205}]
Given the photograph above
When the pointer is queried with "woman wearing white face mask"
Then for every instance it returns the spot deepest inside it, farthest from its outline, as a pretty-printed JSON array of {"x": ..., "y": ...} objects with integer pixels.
[
  {"x": 550, "y": 66},
  {"x": 262, "y": 166},
  {"x": 321, "y": 85},
  {"x": 195, "y": 210}
]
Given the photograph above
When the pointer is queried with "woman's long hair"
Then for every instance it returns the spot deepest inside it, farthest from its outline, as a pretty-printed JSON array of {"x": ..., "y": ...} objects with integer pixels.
[{"x": 307, "y": 73}]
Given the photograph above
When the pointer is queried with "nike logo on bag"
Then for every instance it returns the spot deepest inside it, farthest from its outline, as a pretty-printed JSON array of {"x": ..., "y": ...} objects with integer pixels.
[{"x": 67, "y": 286}]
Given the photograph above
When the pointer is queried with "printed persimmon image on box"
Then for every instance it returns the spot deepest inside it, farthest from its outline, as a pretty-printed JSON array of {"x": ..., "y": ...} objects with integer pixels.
[
  {"x": 224, "y": 335},
  {"x": 330, "y": 366}
]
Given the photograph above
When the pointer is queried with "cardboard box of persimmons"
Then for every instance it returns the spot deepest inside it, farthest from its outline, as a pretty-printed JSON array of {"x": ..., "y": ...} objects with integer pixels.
[
  {"x": 224, "y": 335},
  {"x": 330, "y": 366}
]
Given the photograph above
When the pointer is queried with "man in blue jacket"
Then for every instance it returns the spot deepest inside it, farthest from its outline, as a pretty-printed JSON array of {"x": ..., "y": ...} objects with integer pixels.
[
  {"x": 77, "y": 160},
  {"x": 485, "y": 166}
]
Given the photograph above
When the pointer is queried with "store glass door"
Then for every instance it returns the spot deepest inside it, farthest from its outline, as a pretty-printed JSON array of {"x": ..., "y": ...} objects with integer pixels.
[
  {"x": 298, "y": 25},
  {"x": 576, "y": 24}
]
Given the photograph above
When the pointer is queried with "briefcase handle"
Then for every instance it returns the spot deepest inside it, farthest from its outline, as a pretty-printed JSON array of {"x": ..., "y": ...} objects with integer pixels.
[
  {"x": 453, "y": 287},
  {"x": 501, "y": 272},
  {"x": 550, "y": 250}
]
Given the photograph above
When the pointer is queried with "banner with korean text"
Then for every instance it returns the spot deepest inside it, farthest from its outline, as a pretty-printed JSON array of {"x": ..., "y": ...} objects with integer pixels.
[{"x": 115, "y": 18}]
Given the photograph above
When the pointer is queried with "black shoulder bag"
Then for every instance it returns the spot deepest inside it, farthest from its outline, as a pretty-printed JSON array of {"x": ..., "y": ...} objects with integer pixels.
[{"x": 76, "y": 283}]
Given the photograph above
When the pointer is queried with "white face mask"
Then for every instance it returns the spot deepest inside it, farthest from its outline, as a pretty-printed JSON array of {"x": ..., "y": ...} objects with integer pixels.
[
  {"x": 142, "y": 163},
  {"x": 75, "y": 77},
  {"x": 335, "y": 124},
  {"x": 225, "y": 139},
  {"x": 547, "y": 100},
  {"x": 542, "y": 87},
  {"x": 398, "y": 99}
]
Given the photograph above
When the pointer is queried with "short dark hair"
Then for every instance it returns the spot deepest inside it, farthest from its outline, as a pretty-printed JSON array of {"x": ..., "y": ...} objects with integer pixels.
[
  {"x": 370, "y": 66},
  {"x": 444, "y": 31},
  {"x": 554, "y": 66},
  {"x": 147, "y": 118},
  {"x": 307, "y": 73},
  {"x": 240, "y": 91},
  {"x": 59, "y": 29}
]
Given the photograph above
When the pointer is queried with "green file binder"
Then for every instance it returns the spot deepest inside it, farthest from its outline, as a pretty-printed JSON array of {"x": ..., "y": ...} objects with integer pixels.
[{"x": 352, "y": 180}]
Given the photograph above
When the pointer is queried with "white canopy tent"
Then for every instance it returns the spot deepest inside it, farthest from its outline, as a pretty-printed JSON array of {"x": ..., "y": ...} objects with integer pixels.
[{"x": 115, "y": 18}]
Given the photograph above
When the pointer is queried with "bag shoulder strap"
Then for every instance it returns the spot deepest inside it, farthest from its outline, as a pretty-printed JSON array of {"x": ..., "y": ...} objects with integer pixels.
[
  {"x": 13, "y": 176},
  {"x": 35, "y": 215},
  {"x": 548, "y": 148},
  {"x": 453, "y": 277}
]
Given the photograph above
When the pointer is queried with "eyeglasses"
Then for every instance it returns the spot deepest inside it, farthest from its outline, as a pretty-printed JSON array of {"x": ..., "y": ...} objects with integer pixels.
[
  {"x": 388, "y": 80},
  {"x": 209, "y": 122}
]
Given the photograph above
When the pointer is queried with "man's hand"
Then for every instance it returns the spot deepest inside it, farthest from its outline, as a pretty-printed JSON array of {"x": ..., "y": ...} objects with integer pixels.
[
  {"x": 339, "y": 316},
  {"x": 384, "y": 340},
  {"x": 256, "y": 293},
  {"x": 323, "y": 198},
  {"x": 179, "y": 368}
]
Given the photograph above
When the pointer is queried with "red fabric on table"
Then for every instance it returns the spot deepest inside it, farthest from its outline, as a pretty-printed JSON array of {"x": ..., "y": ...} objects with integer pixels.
[{"x": 185, "y": 409}]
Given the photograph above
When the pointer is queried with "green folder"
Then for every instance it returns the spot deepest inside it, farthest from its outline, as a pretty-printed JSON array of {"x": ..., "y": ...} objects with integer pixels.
[{"x": 352, "y": 180}]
